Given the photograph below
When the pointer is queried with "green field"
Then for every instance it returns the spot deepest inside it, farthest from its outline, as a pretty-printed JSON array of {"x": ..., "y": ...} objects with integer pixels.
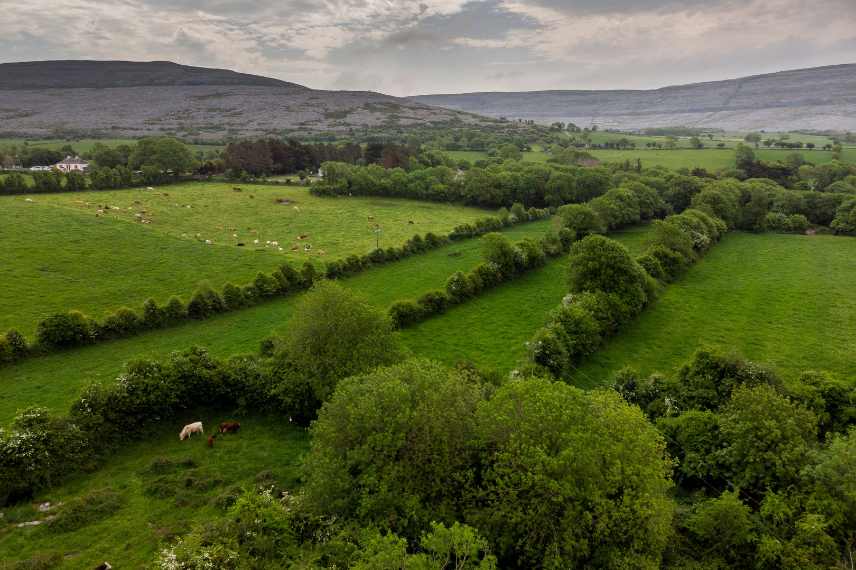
[
  {"x": 54, "y": 381},
  {"x": 709, "y": 158},
  {"x": 781, "y": 300},
  {"x": 491, "y": 331},
  {"x": 86, "y": 145},
  {"x": 58, "y": 253},
  {"x": 156, "y": 507}
]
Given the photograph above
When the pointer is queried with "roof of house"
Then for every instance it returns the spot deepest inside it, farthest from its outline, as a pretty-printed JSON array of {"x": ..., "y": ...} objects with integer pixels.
[{"x": 72, "y": 160}]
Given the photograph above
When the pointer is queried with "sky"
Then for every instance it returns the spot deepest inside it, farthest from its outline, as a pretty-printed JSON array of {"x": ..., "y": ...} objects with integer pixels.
[{"x": 403, "y": 47}]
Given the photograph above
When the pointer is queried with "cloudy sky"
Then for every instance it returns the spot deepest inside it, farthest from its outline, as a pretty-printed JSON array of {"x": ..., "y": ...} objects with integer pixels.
[{"x": 406, "y": 47}]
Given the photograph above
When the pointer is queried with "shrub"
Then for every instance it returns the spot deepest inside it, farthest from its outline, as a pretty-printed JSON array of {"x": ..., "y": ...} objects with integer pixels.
[
  {"x": 13, "y": 346},
  {"x": 405, "y": 313},
  {"x": 433, "y": 240},
  {"x": 518, "y": 213},
  {"x": 598, "y": 263},
  {"x": 123, "y": 323},
  {"x": 65, "y": 330},
  {"x": 533, "y": 253},
  {"x": 652, "y": 267},
  {"x": 845, "y": 218},
  {"x": 488, "y": 274},
  {"x": 205, "y": 303},
  {"x": 334, "y": 270},
  {"x": 581, "y": 220},
  {"x": 671, "y": 262},
  {"x": 498, "y": 250},
  {"x": 582, "y": 334},
  {"x": 459, "y": 287},
  {"x": 377, "y": 256},
  {"x": 266, "y": 286},
  {"x": 174, "y": 311},
  {"x": 233, "y": 297},
  {"x": 547, "y": 349},
  {"x": 37, "y": 451},
  {"x": 289, "y": 278},
  {"x": 153, "y": 316},
  {"x": 308, "y": 275},
  {"x": 433, "y": 302}
]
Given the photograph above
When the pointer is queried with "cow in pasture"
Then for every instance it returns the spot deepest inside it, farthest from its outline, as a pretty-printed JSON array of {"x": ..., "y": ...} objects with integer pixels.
[
  {"x": 230, "y": 427},
  {"x": 190, "y": 429},
  {"x": 103, "y": 566},
  {"x": 211, "y": 439}
]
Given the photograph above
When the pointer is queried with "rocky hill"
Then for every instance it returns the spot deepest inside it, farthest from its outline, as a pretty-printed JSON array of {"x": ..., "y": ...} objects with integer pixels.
[
  {"x": 819, "y": 98},
  {"x": 132, "y": 99}
]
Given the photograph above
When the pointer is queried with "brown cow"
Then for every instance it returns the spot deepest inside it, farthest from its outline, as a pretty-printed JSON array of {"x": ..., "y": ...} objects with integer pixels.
[
  {"x": 230, "y": 427},
  {"x": 210, "y": 441}
]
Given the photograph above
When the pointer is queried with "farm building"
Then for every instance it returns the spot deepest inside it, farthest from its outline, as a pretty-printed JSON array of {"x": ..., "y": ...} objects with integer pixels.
[{"x": 69, "y": 164}]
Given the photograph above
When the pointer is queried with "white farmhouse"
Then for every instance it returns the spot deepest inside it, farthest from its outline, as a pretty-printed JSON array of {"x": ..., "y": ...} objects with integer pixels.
[{"x": 72, "y": 164}]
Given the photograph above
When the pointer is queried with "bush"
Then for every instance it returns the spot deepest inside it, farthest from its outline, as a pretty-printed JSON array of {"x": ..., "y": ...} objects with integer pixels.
[
  {"x": 488, "y": 275},
  {"x": 533, "y": 253},
  {"x": 123, "y": 323},
  {"x": 153, "y": 316},
  {"x": 433, "y": 302},
  {"x": 37, "y": 451},
  {"x": 598, "y": 263},
  {"x": 233, "y": 297},
  {"x": 671, "y": 262},
  {"x": 652, "y": 267},
  {"x": 498, "y": 250},
  {"x": 581, "y": 220},
  {"x": 13, "y": 347},
  {"x": 65, "y": 330},
  {"x": 205, "y": 303},
  {"x": 459, "y": 287},
  {"x": 405, "y": 313},
  {"x": 582, "y": 331},
  {"x": 174, "y": 311},
  {"x": 547, "y": 349},
  {"x": 266, "y": 286}
]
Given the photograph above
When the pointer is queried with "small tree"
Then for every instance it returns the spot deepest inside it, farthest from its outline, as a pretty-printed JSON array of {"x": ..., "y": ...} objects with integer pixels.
[
  {"x": 581, "y": 219},
  {"x": 333, "y": 334},
  {"x": 65, "y": 330}
]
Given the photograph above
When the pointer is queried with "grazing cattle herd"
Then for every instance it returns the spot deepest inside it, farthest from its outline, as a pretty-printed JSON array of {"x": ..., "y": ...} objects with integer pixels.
[{"x": 196, "y": 427}]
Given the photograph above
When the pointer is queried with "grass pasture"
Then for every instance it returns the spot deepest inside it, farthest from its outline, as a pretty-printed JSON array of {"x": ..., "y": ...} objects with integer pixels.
[
  {"x": 712, "y": 159},
  {"x": 86, "y": 145},
  {"x": 164, "y": 486},
  {"x": 781, "y": 300},
  {"x": 55, "y": 380},
  {"x": 59, "y": 254}
]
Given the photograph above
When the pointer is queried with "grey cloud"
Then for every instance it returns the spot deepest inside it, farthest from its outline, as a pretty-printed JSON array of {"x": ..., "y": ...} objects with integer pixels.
[{"x": 625, "y": 6}]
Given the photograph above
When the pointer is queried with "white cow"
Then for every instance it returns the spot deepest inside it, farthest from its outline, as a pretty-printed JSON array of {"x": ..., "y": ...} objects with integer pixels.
[{"x": 190, "y": 429}]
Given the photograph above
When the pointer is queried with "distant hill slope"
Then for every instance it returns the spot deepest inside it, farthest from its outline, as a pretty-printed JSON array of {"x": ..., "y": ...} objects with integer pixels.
[
  {"x": 131, "y": 99},
  {"x": 817, "y": 98}
]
